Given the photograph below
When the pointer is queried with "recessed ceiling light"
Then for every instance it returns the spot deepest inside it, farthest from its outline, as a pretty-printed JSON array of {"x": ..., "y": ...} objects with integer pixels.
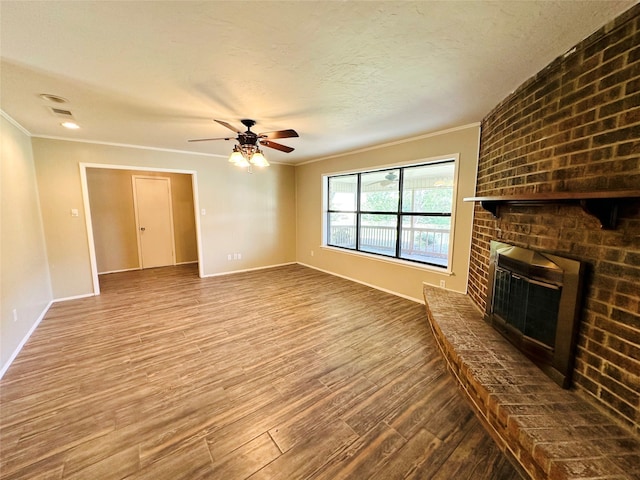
[
  {"x": 53, "y": 98},
  {"x": 71, "y": 125}
]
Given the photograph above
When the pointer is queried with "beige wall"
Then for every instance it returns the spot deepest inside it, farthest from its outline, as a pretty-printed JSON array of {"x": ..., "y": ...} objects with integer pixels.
[
  {"x": 250, "y": 214},
  {"x": 256, "y": 215},
  {"x": 266, "y": 216},
  {"x": 398, "y": 278},
  {"x": 113, "y": 217},
  {"x": 24, "y": 274}
]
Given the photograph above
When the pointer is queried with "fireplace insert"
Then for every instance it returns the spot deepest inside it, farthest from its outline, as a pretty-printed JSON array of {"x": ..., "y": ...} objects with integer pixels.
[{"x": 534, "y": 301}]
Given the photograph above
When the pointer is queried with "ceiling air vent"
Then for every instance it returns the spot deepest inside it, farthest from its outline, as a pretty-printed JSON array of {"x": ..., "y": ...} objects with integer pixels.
[
  {"x": 53, "y": 98},
  {"x": 60, "y": 112}
]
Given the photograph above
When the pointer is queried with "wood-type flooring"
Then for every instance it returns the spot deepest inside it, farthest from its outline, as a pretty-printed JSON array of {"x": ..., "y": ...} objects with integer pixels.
[{"x": 282, "y": 373}]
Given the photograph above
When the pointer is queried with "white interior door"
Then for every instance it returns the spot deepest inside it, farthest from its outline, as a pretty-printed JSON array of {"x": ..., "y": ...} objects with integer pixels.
[{"x": 154, "y": 221}]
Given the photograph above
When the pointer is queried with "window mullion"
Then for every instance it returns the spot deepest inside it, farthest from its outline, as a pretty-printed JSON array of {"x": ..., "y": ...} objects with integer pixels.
[
  {"x": 358, "y": 212},
  {"x": 327, "y": 232},
  {"x": 399, "y": 213}
]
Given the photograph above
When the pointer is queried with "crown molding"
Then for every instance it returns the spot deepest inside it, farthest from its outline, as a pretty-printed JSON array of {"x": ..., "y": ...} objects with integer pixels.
[{"x": 13, "y": 122}]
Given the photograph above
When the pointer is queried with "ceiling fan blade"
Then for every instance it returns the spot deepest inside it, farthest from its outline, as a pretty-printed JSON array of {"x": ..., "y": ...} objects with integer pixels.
[
  {"x": 280, "y": 134},
  {"x": 209, "y": 139},
  {"x": 277, "y": 146},
  {"x": 229, "y": 126}
]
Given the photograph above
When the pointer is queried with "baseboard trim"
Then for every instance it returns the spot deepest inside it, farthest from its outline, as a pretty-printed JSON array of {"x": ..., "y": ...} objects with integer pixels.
[
  {"x": 75, "y": 297},
  {"x": 15, "y": 353},
  {"x": 138, "y": 268},
  {"x": 247, "y": 270},
  {"x": 407, "y": 297},
  {"x": 119, "y": 271}
]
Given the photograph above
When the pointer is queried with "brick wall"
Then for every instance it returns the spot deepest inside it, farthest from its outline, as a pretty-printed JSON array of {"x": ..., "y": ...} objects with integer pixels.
[{"x": 575, "y": 126}]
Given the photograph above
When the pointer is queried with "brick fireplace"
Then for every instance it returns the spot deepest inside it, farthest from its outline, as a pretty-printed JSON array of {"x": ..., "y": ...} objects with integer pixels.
[{"x": 575, "y": 127}]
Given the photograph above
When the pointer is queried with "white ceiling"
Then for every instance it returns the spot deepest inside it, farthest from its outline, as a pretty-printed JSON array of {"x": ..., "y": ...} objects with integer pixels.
[{"x": 345, "y": 75}]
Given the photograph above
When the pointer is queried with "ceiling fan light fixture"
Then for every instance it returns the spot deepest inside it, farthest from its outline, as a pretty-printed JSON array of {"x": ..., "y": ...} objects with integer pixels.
[
  {"x": 243, "y": 163},
  {"x": 258, "y": 159},
  {"x": 236, "y": 156}
]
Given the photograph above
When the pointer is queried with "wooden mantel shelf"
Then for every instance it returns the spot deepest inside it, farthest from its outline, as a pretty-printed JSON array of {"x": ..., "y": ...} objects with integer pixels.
[{"x": 602, "y": 204}]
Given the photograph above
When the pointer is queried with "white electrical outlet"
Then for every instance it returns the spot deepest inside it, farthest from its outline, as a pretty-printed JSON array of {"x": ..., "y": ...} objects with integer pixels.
[
  {"x": 15, "y": 314},
  {"x": 442, "y": 283},
  {"x": 239, "y": 256},
  {"x": 312, "y": 253},
  {"x": 229, "y": 257}
]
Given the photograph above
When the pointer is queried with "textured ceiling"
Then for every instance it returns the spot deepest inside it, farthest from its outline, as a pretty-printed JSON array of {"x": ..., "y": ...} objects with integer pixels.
[{"x": 345, "y": 75}]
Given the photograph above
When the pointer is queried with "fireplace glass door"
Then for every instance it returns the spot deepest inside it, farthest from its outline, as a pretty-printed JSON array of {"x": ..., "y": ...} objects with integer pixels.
[
  {"x": 533, "y": 300},
  {"x": 529, "y": 306}
]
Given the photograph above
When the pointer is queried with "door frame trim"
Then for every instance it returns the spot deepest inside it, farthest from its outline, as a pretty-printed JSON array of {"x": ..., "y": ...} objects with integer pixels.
[{"x": 87, "y": 211}]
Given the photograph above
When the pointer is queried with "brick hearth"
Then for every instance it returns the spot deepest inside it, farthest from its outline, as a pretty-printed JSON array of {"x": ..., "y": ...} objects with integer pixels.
[{"x": 550, "y": 432}]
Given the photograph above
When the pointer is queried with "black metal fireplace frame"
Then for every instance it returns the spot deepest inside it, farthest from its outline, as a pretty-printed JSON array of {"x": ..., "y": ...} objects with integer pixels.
[{"x": 567, "y": 275}]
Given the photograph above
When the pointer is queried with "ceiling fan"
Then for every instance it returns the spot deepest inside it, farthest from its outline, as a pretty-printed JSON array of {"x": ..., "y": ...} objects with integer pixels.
[
  {"x": 249, "y": 140},
  {"x": 389, "y": 178}
]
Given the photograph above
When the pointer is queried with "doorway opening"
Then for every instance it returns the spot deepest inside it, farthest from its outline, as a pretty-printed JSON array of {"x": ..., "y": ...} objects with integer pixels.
[{"x": 111, "y": 205}]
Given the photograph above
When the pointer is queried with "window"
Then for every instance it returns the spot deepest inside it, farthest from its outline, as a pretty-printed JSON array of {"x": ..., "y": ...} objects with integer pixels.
[{"x": 401, "y": 212}]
